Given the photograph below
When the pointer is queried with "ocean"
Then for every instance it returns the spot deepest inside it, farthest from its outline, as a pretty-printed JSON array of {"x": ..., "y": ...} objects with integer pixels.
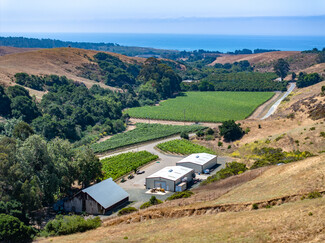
[{"x": 188, "y": 42}]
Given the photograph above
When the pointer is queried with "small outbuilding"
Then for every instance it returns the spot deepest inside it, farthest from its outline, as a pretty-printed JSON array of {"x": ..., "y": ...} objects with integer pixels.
[
  {"x": 97, "y": 199},
  {"x": 199, "y": 162},
  {"x": 171, "y": 178}
]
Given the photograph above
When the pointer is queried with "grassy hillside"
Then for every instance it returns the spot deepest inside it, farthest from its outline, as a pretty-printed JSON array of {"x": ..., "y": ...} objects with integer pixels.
[
  {"x": 301, "y": 221},
  {"x": 204, "y": 106},
  {"x": 59, "y": 61}
]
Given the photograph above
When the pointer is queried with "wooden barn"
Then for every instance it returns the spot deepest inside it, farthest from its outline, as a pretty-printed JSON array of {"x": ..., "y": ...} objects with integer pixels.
[{"x": 97, "y": 199}]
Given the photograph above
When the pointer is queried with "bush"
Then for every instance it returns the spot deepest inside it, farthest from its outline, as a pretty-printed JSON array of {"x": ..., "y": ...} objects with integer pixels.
[
  {"x": 184, "y": 135},
  {"x": 322, "y": 134},
  {"x": 64, "y": 225},
  {"x": 313, "y": 195},
  {"x": 13, "y": 230},
  {"x": 200, "y": 133},
  {"x": 177, "y": 195},
  {"x": 209, "y": 131},
  {"x": 220, "y": 144},
  {"x": 233, "y": 168},
  {"x": 255, "y": 206},
  {"x": 153, "y": 201},
  {"x": 127, "y": 210}
]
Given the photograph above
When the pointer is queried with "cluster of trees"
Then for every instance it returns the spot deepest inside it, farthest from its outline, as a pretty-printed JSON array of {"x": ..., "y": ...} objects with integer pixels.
[
  {"x": 35, "y": 173},
  {"x": 68, "y": 111},
  {"x": 158, "y": 81},
  {"x": 116, "y": 73},
  {"x": 240, "y": 66},
  {"x": 248, "y": 51},
  {"x": 305, "y": 80},
  {"x": 16, "y": 102},
  {"x": 40, "y": 82},
  {"x": 281, "y": 68}
]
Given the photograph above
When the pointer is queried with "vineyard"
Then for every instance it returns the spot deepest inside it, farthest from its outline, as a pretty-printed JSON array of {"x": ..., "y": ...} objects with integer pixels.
[
  {"x": 183, "y": 146},
  {"x": 119, "y": 165},
  {"x": 142, "y": 133},
  {"x": 204, "y": 106}
]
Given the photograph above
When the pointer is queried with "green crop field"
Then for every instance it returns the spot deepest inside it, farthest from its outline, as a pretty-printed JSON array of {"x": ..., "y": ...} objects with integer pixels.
[
  {"x": 142, "y": 133},
  {"x": 119, "y": 165},
  {"x": 183, "y": 146},
  {"x": 204, "y": 106}
]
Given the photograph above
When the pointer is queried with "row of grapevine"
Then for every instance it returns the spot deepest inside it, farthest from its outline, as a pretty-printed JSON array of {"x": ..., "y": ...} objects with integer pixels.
[
  {"x": 183, "y": 146},
  {"x": 143, "y": 132},
  {"x": 119, "y": 165}
]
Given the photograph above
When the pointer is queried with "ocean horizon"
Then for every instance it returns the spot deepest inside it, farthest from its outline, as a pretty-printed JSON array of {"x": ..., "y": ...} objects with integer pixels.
[{"x": 189, "y": 42}]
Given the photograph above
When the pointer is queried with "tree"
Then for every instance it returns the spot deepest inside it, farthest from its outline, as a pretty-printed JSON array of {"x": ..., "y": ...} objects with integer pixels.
[
  {"x": 13, "y": 230},
  {"x": 293, "y": 76},
  {"x": 184, "y": 135},
  {"x": 22, "y": 106},
  {"x": 230, "y": 130},
  {"x": 5, "y": 103},
  {"x": 89, "y": 167},
  {"x": 22, "y": 131},
  {"x": 281, "y": 68}
]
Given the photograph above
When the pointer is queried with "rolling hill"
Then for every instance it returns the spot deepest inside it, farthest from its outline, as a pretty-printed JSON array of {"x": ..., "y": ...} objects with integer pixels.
[
  {"x": 263, "y": 62},
  {"x": 59, "y": 61}
]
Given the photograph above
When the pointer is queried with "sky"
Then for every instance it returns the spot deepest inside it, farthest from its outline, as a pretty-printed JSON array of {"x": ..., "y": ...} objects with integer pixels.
[{"x": 253, "y": 17}]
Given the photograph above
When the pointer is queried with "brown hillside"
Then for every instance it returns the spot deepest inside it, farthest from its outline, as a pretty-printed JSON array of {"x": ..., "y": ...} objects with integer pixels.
[
  {"x": 263, "y": 62},
  {"x": 59, "y": 61},
  {"x": 255, "y": 58},
  {"x": 5, "y": 50}
]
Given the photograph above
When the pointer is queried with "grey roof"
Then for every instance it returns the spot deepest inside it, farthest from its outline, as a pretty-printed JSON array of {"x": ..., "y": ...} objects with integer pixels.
[
  {"x": 199, "y": 158},
  {"x": 171, "y": 172},
  {"x": 106, "y": 193}
]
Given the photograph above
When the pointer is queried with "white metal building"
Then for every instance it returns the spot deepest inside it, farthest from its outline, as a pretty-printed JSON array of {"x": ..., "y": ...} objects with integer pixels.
[
  {"x": 199, "y": 162},
  {"x": 171, "y": 178}
]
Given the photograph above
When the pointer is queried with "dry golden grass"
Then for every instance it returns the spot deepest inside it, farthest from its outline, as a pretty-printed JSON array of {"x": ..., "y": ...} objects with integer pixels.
[
  {"x": 5, "y": 50},
  {"x": 59, "y": 61},
  {"x": 255, "y": 58},
  {"x": 301, "y": 221},
  {"x": 294, "y": 178}
]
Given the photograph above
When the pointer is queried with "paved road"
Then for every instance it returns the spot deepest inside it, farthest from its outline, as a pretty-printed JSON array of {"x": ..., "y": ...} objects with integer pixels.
[
  {"x": 135, "y": 187},
  {"x": 276, "y": 104}
]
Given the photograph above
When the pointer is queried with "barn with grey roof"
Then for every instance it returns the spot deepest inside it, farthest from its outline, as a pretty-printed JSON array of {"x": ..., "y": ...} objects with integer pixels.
[{"x": 100, "y": 198}]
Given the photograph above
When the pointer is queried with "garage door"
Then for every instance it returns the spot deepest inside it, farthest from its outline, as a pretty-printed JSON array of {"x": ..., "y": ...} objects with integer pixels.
[{"x": 160, "y": 184}]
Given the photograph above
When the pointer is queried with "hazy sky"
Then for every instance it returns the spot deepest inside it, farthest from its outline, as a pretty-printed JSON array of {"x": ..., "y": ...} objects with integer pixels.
[{"x": 165, "y": 16}]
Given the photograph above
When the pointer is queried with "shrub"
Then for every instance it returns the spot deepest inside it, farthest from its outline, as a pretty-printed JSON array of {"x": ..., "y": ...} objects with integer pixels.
[
  {"x": 153, "y": 201},
  {"x": 184, "y": 135},
  {"x": 312, "y": 128},
  {"x": 64, "y": 225},
  {"x": 127, "y": 210},
  {"x": 291, "y": 116},
  {"x": 233, "y": 168},
  {"x": 13, "y": 230},
  {"x": 313, "y": 195},
  {"x": 209, "y": 137},
  {"x": 255, "y": 206},
  {"x": 220, "y": 144},
  {"x": 229, "y": 146},
  {"x": 177, "y": 195},
  {"x": 322, "y": 134},
  {"x": 247, "y": 130},
  {"x": 209, "y": 131},
  {"x": 200, "y": 133}
]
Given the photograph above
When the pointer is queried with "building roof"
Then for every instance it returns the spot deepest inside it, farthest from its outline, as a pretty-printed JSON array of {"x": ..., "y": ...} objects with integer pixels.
[
  {"x": 171, "y": 172},
  {"x": 106, "y": 193},
  {"x": 200, "y": 158}
]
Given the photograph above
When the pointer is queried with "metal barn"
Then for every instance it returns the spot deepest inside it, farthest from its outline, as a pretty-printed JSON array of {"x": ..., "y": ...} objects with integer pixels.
[
  {"x": 199, "y": 162},
  {"x": 171, "y": 178},
  {"x": 97, "y": 199}
]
